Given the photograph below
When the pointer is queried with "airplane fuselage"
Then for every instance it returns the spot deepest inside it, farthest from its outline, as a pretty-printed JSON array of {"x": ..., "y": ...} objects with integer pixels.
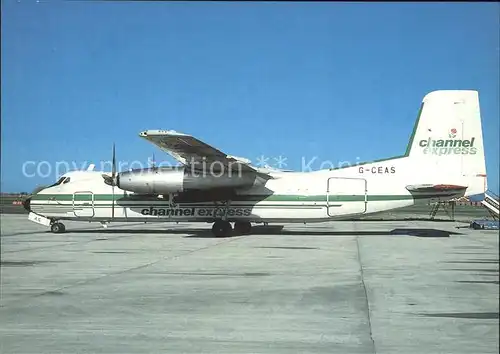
[{"x": 288, "y": 197}]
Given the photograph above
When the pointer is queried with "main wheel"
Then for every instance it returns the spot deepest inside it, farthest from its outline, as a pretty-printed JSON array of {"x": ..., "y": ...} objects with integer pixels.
[
  {"x": 221, "y": 228},
  {"x": 57, "y": 228},
  {"x": 242, "y": 227}
]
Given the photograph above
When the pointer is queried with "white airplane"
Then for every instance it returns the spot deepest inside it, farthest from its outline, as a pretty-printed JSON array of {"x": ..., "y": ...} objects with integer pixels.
[{"x": 444, "y": 160}]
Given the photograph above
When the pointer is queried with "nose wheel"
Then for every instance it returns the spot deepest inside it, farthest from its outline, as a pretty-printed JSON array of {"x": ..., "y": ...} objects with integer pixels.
[{"x": 57, "y": 228}]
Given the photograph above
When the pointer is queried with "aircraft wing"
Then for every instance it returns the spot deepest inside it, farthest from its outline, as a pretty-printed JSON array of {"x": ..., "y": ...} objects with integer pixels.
[{"x": 192, "y": 152}]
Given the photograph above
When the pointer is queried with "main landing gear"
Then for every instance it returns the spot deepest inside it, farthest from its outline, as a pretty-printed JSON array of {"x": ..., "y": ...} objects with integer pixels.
[
  {"x": 223, "y": 228},
  {"x": 242, "y": 227},
  {"x": 57, "y": 227}
]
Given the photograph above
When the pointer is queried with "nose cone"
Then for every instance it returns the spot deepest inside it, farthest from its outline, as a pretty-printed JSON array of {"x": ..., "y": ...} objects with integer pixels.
[{"x": 27, "y": 204}]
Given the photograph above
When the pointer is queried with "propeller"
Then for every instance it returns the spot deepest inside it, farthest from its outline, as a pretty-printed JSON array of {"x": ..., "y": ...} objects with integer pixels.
[
  {"x": 112, "y": 181},
  {"x": 113, "y": 176}
]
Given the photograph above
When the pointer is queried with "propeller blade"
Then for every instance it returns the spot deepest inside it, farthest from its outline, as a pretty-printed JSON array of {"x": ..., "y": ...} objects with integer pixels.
[
  {"x": 113, "y": 172},
  {"x": 111, "y": 180},
  {"x": 113, "y": 177},
  {"x": 107, "y": 179},
  {"x": 113, "y": 202}
]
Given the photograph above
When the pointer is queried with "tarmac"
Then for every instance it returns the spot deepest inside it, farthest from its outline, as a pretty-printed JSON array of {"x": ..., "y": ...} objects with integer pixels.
[{"x": 405, "y": 287}]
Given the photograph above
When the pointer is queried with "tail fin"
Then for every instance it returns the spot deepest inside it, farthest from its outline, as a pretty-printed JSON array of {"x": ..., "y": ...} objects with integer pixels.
[{"x": 448, "y": 141}]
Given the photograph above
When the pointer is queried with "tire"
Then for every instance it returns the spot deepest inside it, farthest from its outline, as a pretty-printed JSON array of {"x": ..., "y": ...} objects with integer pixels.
[
  {"x": 57, "y": 228},
  {"x": 242, "y": 227},
  {"x": 221, "y": 228}
]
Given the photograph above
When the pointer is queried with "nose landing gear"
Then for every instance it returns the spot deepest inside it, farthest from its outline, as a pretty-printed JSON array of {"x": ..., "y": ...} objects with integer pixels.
[{"x": 57, "y": 228}]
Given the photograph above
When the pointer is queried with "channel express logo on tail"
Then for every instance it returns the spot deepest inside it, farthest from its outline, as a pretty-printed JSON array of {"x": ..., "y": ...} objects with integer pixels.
[{"x": 450, "y": 146}]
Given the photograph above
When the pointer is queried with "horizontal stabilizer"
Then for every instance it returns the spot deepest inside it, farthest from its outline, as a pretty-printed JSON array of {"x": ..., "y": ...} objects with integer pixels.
[{"x": 426, "y": 188}]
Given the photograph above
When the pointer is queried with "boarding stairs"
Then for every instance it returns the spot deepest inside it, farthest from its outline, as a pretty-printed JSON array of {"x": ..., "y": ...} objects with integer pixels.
[{"x": 490, "y": 202}]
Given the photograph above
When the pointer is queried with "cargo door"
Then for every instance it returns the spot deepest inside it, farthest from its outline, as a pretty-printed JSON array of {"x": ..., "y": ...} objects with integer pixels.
[{"x": 346, "y": 196}]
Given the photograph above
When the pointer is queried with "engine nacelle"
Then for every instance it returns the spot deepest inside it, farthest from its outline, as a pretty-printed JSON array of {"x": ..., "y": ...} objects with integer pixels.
[
  {"x": 176, "y": 180},
  {"x": 154, "y": 181}
]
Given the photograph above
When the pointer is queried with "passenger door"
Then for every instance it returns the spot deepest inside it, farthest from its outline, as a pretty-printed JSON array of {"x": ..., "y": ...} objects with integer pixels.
[{"x": 83, "y": 204}]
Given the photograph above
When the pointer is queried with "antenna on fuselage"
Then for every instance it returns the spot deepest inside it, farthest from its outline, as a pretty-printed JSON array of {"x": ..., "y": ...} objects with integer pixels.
[{"x": 153, "y": 162}]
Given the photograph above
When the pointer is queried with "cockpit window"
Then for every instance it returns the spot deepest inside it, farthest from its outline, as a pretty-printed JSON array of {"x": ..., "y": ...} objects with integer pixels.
[
  {"x": 66, "y": 180},
  {"x": 59, "y": 181}
]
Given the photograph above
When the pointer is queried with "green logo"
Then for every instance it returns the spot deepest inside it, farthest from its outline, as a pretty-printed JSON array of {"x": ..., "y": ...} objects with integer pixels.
[{"x": 449, "y": 146}]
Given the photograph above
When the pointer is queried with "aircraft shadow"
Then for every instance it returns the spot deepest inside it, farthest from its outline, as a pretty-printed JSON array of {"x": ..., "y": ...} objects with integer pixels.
[
  {"x": 444, "y": 221},
  {"x": 428, "y": 233},
  {"x": 270, "y": 230}
]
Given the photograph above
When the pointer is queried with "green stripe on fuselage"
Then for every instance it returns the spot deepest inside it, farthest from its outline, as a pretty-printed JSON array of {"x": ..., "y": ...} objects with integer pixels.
[{"x": 242, "y": 198}]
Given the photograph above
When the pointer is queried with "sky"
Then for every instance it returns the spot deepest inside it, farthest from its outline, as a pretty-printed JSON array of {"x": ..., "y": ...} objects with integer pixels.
[{"x": 289, "y": 84}]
